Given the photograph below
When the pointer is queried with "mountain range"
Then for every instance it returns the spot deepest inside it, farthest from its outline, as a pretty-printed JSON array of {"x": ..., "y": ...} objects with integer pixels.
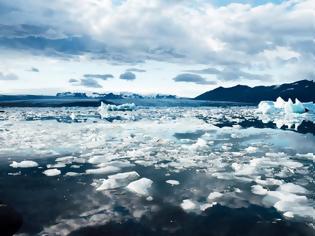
[{"x": 304, "y": 90}]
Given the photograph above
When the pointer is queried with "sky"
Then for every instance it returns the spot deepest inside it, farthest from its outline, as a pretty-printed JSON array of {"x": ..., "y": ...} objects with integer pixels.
[{"x": 180, "y": 47}]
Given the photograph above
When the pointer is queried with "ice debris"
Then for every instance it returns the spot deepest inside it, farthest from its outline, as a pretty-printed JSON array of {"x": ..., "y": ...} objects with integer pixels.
[
  {"x": 52, "y": 172},
  {"x": 188, "y": 205},
  {"x": 140, "y": 186},
  {"x": 24, "y": 164},
  {"x": 118, "y": 180},
  {"x": 172, "y": 182}
]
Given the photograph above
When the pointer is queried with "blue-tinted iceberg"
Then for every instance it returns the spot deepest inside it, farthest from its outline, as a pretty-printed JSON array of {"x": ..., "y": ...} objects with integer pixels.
[{"x": 279, "y": 105}]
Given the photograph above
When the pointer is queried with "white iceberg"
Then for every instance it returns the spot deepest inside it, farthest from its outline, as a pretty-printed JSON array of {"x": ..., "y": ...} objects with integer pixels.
[
  {"x": 266, "y": 107},
  {"x": 279, "y": 103},
  {"x": 118, "y": 180},
  {"x": 140, "y": 186},
  {"x": 24, "y": 164}
]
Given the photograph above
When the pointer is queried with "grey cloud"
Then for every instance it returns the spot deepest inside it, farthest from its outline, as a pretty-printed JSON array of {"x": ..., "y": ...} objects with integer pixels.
[
  {"x": 128, "y": 76},
  {"x": 135, "y": 70},
  {"x": 91, "y": 83},
  {"x": 192, "y": 78},
  {"x": 34, "y": 69},
  {"x": 207, "y": 71},
  {"x": 9, "y": 76},
  {"x": 73, "y": 81},
  {"x": 99, "y": 76}
]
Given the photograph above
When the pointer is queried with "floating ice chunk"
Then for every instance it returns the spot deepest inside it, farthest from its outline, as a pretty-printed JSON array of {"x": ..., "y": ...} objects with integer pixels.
[
  {"x": 201, "y": 143},
  {"x": 279, "y": 103},
  {"x": 58, "y": 165},
  {"x": 297, "y": 107},
  {"x": 103, "y": 170},
  {"x": 205, "y": 206},
  {"x": 118, "y": 180},
  {"x": 268, "y": 181},
  {"x": 140, "y": 186},
  {"x": 288, "y": 214},
  {"x": 172, "y": 182},
  {"x": 24, "y": 164},
  {"x": 292, "y": 188},
  {"x": 214, "y": 195},
  {"x": 52, "y": 172},
  {"x": 266, "y": 107},
  {"x": 72, "y": 174},
  {"x": 251, "y": 149},
  {"x": 310, "y": 156},
  {"x": 15, "y": 173},
  {"x": 188, "y": 205},
  {"x": 104, "y": 108},
  {"x": 66, "y": 159},
  {"x": 259, "y": 190}
]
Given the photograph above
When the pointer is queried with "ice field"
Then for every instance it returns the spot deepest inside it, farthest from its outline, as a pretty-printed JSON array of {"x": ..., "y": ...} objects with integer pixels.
[{"x": 158, "y": 169}]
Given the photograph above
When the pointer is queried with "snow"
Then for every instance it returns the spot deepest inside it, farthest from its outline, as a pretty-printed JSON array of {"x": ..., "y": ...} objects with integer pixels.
[
  {"x": 103, "y": 170},
  {"x": 52, "y": 172},
  {"x": 24, "y": 164},
  {"x": 140, "y": 186},
  {"x": 118, "y": 180},
  {"x": 172, "y": 182},
  {"x": 188, "y": 205}
]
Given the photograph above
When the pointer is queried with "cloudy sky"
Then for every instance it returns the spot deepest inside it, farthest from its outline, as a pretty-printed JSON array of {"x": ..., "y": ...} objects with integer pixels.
[{"x": 154, "y": 46}]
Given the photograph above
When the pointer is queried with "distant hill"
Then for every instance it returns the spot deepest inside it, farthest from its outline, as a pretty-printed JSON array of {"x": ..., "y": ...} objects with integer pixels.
[{"x": 304, "y": 90}]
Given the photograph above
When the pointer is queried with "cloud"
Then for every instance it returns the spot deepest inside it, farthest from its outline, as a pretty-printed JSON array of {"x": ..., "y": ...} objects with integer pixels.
[
  {"x": 33, "y": 69},
  {"x": 128, "y": 76},
  {"x": 135, "y": 70},
  {"x": 246, "y": 36},
  {"x": 229, "y": 73},
  {"x": 73, "y": 81},
  {"x": 91, "y": 83},
  {"x": 192, "y": 78},
  {"x": 9, "y": 76},
  {"x": 206, "y": 71},
  {"x": 99, "y": 76}
]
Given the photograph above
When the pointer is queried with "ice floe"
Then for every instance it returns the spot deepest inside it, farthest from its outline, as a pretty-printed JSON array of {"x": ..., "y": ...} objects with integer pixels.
[
  {"x": 118, "y": 180},
  {"x": 52, "y": 172},
  {"x": 214, "y": 195},
  {"x": 103, "y": 170},
  {"x": 188, "y": 205},
  {"x": 24, "y": 164},
  {"x": 172, "y": 182},
  {"x": 141, "y": 186}
]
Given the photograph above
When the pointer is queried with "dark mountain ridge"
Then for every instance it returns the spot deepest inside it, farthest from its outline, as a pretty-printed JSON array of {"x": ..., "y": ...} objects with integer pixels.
[{"x": 304, "y": 90}]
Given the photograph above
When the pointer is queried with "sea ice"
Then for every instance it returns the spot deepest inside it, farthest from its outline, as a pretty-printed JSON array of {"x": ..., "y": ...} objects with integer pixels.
[
  {"x": 103, "y": 170},
  {"x": 118, "y": 180},
  {"x": 214, "y": 195},
  {"x": 172, "y": 182},
  {"x": 292, "y": 188},
  {"x": 140, "y": 186},
  {"x": 52, "y": 172},
  {"x": 24, "y": 164},
  {"x": 188, "y": 205},
  {"x": 259, "y": 190}
]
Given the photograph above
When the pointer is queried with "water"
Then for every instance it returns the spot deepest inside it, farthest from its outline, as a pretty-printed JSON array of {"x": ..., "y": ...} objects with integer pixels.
[{"x": 239, "y": 173}]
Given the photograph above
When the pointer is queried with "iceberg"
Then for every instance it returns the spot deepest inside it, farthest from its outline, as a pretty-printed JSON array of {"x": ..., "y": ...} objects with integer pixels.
[
  {"x": 279, "y": 105},
  {"x": 104, "y": 108},
  {"x": 140, "y": 186},
  {"x": 24, "y": 164},
  {"x": 188, "y": 205}
]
